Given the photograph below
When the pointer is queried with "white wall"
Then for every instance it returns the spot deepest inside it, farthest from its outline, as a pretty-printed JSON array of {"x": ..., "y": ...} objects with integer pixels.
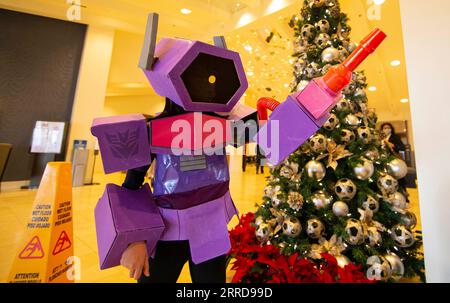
[{"x": 426, "y": 26}]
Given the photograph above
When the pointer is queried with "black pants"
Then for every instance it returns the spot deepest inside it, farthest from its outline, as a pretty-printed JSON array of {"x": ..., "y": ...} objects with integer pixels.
[{"x": 170, "y": 258}]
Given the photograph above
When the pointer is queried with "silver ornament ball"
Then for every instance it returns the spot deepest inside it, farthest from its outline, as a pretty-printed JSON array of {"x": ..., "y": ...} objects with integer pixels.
[
  {"x": 409, "y": 220},
  {"x": 397, "y": 200},
  {"x": 330, "y": 55},
  {"x": 372, "y": 154},
  {"x": 396, "y": 264},
  {"x": 397, "y": 168},
  {"x": 340, "y": 209},
  {"x": 364, "y": 170},
  {"x": 315, "y": 170},
  {"x": 321, "y": 199}
]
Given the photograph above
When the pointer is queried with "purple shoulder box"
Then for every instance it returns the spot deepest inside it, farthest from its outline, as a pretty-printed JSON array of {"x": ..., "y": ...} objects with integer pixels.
[
  {"x": 123, "y": 140},
  {"x": 123, "y": 217}
]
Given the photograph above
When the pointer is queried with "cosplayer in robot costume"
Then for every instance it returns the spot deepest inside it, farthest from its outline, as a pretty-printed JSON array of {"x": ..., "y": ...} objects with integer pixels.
[{"x": 185, "y": 217}]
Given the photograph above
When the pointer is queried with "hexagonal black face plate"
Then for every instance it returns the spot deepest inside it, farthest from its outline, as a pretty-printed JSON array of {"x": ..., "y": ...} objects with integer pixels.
[{"x": 205, "y": 69}]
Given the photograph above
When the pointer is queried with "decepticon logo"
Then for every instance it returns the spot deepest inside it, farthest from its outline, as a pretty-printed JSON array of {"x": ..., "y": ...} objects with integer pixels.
[{"x": 125, "y": 144}]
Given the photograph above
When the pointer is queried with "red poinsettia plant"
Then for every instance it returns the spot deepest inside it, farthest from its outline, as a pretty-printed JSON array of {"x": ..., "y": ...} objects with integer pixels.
[{"x": 256, "y": 263}]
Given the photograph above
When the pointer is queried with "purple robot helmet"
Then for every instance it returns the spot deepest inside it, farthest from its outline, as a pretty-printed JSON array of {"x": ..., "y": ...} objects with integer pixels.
[{"x": 195, "y": 75}]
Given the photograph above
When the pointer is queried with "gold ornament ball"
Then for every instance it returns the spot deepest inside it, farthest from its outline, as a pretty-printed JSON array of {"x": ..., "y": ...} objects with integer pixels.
[
  {"x": 292, "y": 227},
  {"x": 263, "y": 232},
  {"x": 314, "y": 228}
]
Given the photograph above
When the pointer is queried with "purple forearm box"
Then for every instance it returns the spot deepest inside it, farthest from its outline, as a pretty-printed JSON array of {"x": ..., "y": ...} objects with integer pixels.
[{"x": 122, "y": 217}]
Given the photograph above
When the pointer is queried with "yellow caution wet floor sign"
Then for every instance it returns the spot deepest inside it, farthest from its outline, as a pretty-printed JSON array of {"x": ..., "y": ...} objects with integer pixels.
[{"x": 46, "y": 251}]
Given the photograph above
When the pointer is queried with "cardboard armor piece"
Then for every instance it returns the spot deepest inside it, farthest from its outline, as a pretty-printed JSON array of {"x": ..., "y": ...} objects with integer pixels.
[{"x": 122, "y": 217}]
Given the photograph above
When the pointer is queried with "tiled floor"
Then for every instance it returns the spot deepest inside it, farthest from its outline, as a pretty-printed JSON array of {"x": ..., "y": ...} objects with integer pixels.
[{"x": 246, "y": 189}]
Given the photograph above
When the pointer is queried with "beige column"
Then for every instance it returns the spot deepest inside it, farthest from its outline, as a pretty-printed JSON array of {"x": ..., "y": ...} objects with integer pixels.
[
  {"x": 91, "y": 86},
  {"x": 426, "y": 32}
]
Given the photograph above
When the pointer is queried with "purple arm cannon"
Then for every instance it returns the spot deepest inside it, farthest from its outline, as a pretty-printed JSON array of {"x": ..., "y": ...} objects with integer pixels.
[{"x": 303, "y": 113}]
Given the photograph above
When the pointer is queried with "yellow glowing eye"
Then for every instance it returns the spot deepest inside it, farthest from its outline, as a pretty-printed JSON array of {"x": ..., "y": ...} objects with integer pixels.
[{"x": 212, "y": 79}]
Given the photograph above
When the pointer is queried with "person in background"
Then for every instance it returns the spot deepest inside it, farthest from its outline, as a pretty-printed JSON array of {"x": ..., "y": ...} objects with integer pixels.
[
  {"x": 394, "y": 142},
  {"x": 259, "y": 161}
]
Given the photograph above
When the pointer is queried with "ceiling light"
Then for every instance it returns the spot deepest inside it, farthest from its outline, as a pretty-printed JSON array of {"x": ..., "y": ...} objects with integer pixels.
[
  {"x": 404, "y": 100},
  {"x": 185, "y": 11},
  {"x": 372, "y": 88},
  {"x": 245, "y": 19},
  {"x": 378, "y": 2},
  {"x": 395, "y": 62},
  {"x": 248, "y": 48}
]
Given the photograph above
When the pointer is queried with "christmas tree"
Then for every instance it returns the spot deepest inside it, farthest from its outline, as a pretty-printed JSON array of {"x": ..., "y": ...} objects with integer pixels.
[{"x": 340, "y": 194}]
